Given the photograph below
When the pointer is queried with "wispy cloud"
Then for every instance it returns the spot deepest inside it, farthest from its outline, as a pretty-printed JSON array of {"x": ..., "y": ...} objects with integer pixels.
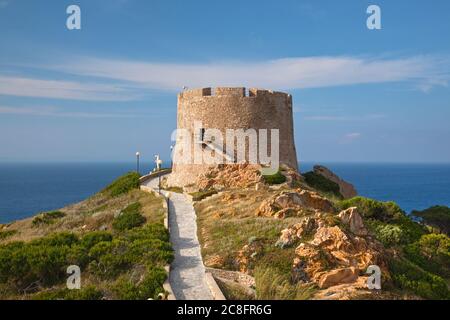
[
  {"x": 290, "y": 73},
  {"x": 123, "y": 80},
  {"x": 350, "y": 137},
  {"x": 89, "y": 91},
  {"x": 51, "y": 111}
]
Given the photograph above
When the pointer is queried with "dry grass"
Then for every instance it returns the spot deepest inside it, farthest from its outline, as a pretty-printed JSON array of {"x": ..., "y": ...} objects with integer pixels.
[
  {"x": 234, "y": 291},
  {"x": 227, "y": 222},
  {"x": 95, "y": 213}
]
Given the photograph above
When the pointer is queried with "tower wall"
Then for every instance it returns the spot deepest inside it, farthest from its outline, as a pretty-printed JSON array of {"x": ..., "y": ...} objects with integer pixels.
[{"x": 235, "y": 108}]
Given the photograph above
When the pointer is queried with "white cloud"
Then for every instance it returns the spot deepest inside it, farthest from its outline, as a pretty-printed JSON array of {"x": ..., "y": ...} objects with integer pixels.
[
  {"x": 350, "y": 137},
  {"x": 131, "y": 79},
  {"x": 288, "y": 73},
  {"x": 31, "y": 87}
]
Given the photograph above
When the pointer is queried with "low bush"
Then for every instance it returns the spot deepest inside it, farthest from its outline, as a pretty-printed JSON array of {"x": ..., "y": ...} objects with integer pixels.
[
  {"x": 46, "y": 218},
  {"x": 277, "y": 178},
  {"x": 431, "y": 253},
  {"x": 150, "y": 287},
  {"x": 129, "y": 218},
  {"x": 87, "y": 293},
  {"x": 438, "y": 217},
  {"x": 6, "y": 234},
  {"x": 388, "y": 234},
  {"x": 123, "y": 184},
  {"x": 92, "y": 238},
  {"x": 408, "y": 276},
  {"x": 369, "y": 208},
  {"x": 24, "y": 264},
  {"x": 42, "y": 263},
  {"x": 387, "y": 221},
  {"x": 322, "y": 184},
  {"x": 109, "y": 259}
]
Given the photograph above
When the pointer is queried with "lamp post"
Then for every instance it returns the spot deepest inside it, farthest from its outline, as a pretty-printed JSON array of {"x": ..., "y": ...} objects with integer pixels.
[
  {"x": 137, "y": 162},
  {"x": 158, "y": 163},
  {"x": 171, "y": 156},
  {"x": 168, "y": 194}
]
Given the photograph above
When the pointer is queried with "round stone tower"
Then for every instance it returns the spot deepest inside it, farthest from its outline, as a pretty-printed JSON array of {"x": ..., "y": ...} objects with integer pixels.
[{"x": 223, "y": 109}]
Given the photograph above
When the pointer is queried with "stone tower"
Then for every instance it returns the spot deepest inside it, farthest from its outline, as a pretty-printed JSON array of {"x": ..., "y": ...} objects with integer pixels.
[{"x": 233, "y": 108}]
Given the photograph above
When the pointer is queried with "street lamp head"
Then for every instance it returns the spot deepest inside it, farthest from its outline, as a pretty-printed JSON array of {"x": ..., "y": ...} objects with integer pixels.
[{"x": 138, "y": 154}]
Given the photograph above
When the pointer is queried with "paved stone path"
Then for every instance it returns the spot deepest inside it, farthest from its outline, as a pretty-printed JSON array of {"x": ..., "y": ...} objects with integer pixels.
[{"x": 187, "y": 275}]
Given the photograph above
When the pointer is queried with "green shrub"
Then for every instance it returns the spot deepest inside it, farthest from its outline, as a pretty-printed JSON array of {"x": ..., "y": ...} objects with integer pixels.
[
  {"x": 123, "y": 184},
  {"x": 437, "y": 217},
  {"x": 386, "y": 220},
  {"x": 408, "y": 276},
  {"x": 413, "y": 231},
  {"x": 153, "y": 250},
  {"x": 22, "y": 264},
  {"x": 369, "y": 208},
  {"x": 129, "y": 218},
  {"x": 6, "y": 234},
  {"x": 57, "y": 239},
  {"x": 277, "y": 178},
  {"x": 143, "y": 246},
  {"x": 132, "y": 208},
  {"x": 149, "y": 231},
  {"x": 46, "y": 218},
  {"x": 42, "y": 263},
  {"x": 87, "y": 293},
  {"x": 149, "y": 287},
  {"x": 431, "y": 253},
  {"x": 92, "y": 238},
  {"x": 199, "y": 196},
  {"x": 321, "y": 183},
  {"x": 109, "y": 259},
  {"x": 388, "y": 234}
]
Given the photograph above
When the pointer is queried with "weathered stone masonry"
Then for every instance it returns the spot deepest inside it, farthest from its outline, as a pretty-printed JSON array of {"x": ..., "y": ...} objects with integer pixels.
[{"x": 234, "y": 108}]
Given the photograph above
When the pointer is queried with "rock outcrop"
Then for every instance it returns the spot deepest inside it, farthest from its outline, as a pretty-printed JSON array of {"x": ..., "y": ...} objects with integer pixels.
[
  {"x": 229, "y": 176},
  {"x": 248, "y": 255},
  {"x": 334, "y": 257},
  {"x": 332, "y": 252},
  {"x": 352, "y": 218},
  {"x": 294, "y": 203},
  {"x": 346, "y": 189},
  {"x": 338, "y": 276},
  {"x": 290, "y": 235}
]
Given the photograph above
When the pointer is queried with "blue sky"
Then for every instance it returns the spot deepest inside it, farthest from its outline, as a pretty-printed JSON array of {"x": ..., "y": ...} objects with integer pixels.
[{"x": 103, "y": 92}]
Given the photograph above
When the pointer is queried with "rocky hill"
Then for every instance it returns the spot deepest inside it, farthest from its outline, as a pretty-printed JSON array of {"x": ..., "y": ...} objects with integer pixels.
[{"x": 309, "y": 237}]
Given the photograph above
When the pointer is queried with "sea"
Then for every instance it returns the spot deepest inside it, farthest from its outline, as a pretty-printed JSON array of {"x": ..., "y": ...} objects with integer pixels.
[{"x": 29, "y": 188}]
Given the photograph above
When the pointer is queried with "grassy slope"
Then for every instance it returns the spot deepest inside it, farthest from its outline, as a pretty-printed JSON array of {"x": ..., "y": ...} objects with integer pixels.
[
  {"x": 84, "y": 219},
  {"x": 225, "y": 225}
]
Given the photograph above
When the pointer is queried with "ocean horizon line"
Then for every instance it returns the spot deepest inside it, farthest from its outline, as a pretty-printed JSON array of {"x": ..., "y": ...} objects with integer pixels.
[{"x": 301, "y": 161}]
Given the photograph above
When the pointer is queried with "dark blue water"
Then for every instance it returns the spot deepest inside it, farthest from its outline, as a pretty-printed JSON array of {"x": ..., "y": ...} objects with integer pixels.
[
  {"x": 26, "y": 189},
  {"x": 411, "y": 186}
]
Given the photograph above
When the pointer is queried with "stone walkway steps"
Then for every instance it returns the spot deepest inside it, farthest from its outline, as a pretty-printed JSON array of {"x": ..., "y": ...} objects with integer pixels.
[{"x": 187, "y": 275}]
